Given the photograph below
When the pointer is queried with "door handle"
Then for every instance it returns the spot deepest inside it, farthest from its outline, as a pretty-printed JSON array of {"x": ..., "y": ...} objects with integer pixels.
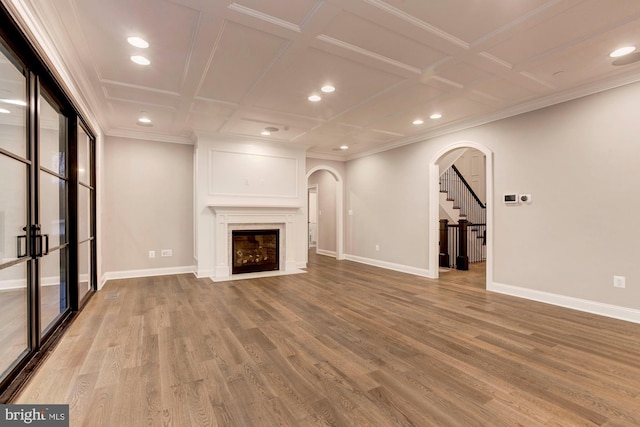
[
  {"x": 19, "y": 250},
  {"x": 42, "y": 249},
  {"x": 46, "y": 244}
]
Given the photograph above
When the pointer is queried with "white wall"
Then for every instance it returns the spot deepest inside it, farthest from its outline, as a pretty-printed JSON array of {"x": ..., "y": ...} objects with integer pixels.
[
  {"x": 577, "y": 159},
  {"x": 388, "y": 194},
  {"x": 147, "y": 205}
]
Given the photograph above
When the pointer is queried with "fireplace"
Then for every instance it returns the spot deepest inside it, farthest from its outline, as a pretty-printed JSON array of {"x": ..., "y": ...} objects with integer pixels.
[{"x": 255, "y": 250}]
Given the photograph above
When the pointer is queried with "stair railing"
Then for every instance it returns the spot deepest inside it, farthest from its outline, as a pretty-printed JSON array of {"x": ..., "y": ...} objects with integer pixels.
[{"x": 458, "y": 189}]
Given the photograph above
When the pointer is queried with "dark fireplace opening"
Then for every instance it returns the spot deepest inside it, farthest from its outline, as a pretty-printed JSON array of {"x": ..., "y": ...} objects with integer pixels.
[{"x": 255, "y": 250}]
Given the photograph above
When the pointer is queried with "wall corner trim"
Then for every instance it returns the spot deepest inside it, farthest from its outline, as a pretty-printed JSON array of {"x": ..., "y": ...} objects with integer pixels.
[
  {"x": 390, "y": 266},
  {"x": 593, "y": 307}
]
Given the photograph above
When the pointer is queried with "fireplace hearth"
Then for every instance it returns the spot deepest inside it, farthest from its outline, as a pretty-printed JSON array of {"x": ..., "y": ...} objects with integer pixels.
[{"x": 255, "y": 250}]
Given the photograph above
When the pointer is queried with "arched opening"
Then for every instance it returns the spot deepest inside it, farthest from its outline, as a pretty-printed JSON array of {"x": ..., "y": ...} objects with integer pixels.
[
  {"x": 338, "y": 201},
  {"x": 434, "y": 206}
]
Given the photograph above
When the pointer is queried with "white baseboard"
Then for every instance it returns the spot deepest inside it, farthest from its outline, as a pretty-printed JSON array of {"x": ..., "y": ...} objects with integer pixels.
[
  {"x": 390, "y": 265},
  {"x": 602, "y": 309},
  {"x": 201, "y": 274},
  {"x": 130, "y": 274},
  {"x": 326, "y": 253}
]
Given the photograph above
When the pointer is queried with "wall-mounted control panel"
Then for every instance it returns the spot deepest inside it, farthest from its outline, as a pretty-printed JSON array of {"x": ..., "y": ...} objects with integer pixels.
[
  {"x": 511, "y": 199},
  {"x": 516, "y": 199}
]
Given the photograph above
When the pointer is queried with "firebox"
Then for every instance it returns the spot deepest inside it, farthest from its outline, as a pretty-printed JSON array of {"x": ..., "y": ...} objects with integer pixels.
[{"x": 255, "y": 250}]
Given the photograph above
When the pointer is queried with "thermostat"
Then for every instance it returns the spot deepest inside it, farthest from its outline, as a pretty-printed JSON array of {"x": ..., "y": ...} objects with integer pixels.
[{"x": 511, "y": 199}]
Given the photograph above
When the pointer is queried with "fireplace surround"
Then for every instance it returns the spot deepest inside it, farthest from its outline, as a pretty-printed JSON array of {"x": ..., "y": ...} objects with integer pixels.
[{"x": 228, "y": 219}]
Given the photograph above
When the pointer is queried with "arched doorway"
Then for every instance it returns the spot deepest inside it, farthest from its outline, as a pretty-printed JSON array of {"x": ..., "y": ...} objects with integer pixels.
[
  {"x": 434, "y": 206},
  {"x": 339, "y": 206}
]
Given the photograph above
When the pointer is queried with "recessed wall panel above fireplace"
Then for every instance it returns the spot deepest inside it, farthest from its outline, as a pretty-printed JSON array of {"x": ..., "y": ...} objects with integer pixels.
[{"x": 252, "y": 175}]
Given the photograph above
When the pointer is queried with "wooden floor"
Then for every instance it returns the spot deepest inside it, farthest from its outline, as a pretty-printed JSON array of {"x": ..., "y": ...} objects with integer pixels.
[{"x": 345, "y": 345}]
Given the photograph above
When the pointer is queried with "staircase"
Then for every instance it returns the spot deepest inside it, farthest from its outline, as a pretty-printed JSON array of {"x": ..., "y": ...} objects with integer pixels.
[{"x": 464, "y": 240}]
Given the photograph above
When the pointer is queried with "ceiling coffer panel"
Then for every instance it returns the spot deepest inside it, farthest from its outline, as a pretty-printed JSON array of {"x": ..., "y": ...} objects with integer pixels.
[
  {"x": 106, "y": 30},
  {"x": 288, "y": 90},
  {"x": 463, "y": 19},
  {"x": 241, "y": 57},
  {"x": 141, "y": 96},
  {"x": 127, "y": 114},
  {"x": 390, "y": 103},
  {"x": 372, "y": 37},
  {"x": 573, "y": 25}
]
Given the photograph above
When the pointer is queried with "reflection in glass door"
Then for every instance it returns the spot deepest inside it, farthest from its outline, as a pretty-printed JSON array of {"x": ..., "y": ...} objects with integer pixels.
[
  {"x": 15, "y": 243},
  {"x": 52, "y": 214}
]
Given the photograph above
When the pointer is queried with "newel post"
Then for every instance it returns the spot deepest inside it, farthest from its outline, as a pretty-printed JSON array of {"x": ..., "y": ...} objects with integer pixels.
[
  {"x": 444, "y": 243},
  {"x": 462, "y": 260}
]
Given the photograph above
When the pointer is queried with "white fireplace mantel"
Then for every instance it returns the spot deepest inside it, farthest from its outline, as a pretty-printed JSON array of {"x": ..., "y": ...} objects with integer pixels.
[{"x": 230, "y": 217}]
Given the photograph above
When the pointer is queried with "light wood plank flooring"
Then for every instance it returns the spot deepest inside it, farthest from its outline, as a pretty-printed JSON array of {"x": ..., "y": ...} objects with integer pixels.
[{"x": 344, "y": 345}]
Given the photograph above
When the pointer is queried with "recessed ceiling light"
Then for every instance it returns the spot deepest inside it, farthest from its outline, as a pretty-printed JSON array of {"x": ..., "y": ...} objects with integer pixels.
[
  {"x": 314, "y": 98},
  {"x": 265, "y": 133},
  {"x": 138, "y": 42},
  {"x": 622, "y": 51},
  {"x": 344, "y": 147},
  {"x": 328, "y": 89},
  {"x": 3, "y": 111},
  {"x": 271, "y": 129},
  {"x": 144, "y": 120},
  {"x": 435, "y": 116},
  {"x": 14, "y": 102},
  {"x": 418, "y": 121},
  {"x": 140, "y": 60}
]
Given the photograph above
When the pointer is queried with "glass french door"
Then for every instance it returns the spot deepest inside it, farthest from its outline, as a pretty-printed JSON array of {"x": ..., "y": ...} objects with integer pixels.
[
  {"x": 34, "y": 199},
  {"x": 16, "y": 165}
]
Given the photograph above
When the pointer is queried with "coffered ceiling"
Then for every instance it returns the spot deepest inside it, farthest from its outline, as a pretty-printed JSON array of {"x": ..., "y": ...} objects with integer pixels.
[{"x": 234, "y": 68}]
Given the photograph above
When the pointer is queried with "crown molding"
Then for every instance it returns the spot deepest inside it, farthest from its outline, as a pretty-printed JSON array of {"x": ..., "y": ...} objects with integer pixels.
[{"x": 149, "y": 136}]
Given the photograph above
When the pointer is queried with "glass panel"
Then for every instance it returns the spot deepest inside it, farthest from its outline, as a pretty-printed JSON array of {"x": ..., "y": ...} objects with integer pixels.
[
  {"x": 53, "y": 287},
  {"x": 83, "y": 213},
  {"x": 52, "y": 208},
  {"x": 13, "y": 110},
  {"x": 14, "y": 324},
  {"x": 84, "y": 165},
  {"x": 13, "y": 209},
  {"x": 52, "y": 147},
  {"x": 84, "y": 269},
  {"x": 52, "y": 214}
]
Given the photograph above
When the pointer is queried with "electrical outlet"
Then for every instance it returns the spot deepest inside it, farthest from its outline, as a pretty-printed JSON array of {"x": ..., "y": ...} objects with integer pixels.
[
  {"x": 377, "y": 247},
  {"x": 166, "y": 252},
  {"x": 619, "y": 281},
  {"x": 152, "y": 254}
]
